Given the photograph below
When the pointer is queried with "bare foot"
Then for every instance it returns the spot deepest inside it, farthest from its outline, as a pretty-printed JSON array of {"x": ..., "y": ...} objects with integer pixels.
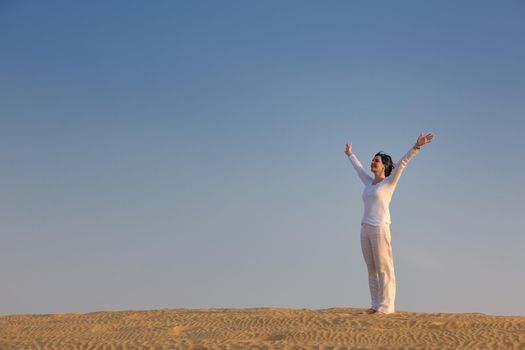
[
  {"x": 369, "y": 311},
  {"x": 379, "y": 313}
]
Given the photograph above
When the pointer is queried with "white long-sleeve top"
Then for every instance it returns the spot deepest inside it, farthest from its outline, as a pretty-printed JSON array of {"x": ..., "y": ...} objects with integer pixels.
[{"x": 377, "y": 197}]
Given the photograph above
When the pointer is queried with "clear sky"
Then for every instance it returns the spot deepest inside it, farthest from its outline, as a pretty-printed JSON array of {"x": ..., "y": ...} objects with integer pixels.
[{"x": 165, "y": 154}]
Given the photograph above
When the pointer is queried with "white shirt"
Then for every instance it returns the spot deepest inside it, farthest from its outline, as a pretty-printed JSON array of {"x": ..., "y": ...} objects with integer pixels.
[{"x": 377, "y": 197}]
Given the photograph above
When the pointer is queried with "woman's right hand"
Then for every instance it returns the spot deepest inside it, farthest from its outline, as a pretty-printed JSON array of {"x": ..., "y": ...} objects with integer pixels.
[{"x": 348, "y": 150}]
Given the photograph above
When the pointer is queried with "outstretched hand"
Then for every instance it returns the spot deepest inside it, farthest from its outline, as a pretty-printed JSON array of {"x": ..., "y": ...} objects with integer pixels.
[
  {"x": 423, "y": 140},
  {"x": 348, "y": 150}
]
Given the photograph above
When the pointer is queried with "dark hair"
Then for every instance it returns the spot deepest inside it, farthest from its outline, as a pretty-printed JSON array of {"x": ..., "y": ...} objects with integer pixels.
[{"x": 387, "y": 162}]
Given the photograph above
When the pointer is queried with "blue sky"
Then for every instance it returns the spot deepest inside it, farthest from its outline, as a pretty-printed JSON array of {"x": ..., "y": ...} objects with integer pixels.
[{"x": 191, "y": 154}]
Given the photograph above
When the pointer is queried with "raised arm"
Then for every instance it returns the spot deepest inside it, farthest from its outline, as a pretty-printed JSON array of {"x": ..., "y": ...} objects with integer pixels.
[
  {"x": 365, "y": 178},
  {"x": 401, "y": 165}
]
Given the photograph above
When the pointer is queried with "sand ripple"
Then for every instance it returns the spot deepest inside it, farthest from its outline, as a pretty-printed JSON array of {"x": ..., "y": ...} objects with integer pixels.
[{"x": 260, "y": 328}]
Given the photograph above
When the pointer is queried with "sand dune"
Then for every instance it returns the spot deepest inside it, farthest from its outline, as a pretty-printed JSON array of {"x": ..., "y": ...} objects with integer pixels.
[{"x": 260, "y": 328}]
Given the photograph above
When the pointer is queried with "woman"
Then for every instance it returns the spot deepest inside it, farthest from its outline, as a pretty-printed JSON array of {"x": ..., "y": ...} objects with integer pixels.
[{"x": 375, "y": 225}]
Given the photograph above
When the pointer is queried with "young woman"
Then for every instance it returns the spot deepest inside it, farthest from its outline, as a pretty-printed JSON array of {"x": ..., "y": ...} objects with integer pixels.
[{"x": 375, "y": 225}]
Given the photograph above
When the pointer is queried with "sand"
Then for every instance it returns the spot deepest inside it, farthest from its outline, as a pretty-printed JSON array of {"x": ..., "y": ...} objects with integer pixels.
[{"x": 261, "y": 328}]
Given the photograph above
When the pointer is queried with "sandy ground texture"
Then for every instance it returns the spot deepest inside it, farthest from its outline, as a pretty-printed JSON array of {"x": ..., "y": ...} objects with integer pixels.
[{"x": 260, "y": 328}]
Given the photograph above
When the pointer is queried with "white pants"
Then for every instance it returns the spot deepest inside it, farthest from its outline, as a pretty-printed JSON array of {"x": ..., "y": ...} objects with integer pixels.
[{"x": 377, "y": 251}]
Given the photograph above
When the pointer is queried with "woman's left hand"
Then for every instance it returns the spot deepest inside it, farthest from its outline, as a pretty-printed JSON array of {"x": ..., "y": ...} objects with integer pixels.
[{"x": 423, "y": 140}]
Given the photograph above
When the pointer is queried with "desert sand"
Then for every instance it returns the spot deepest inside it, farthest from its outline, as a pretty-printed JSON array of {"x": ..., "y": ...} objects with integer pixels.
[{"x": 261, "y": 328}]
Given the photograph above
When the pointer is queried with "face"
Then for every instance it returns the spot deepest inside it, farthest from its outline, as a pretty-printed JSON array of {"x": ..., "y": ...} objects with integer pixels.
[{"x": 377, "y": 166}]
